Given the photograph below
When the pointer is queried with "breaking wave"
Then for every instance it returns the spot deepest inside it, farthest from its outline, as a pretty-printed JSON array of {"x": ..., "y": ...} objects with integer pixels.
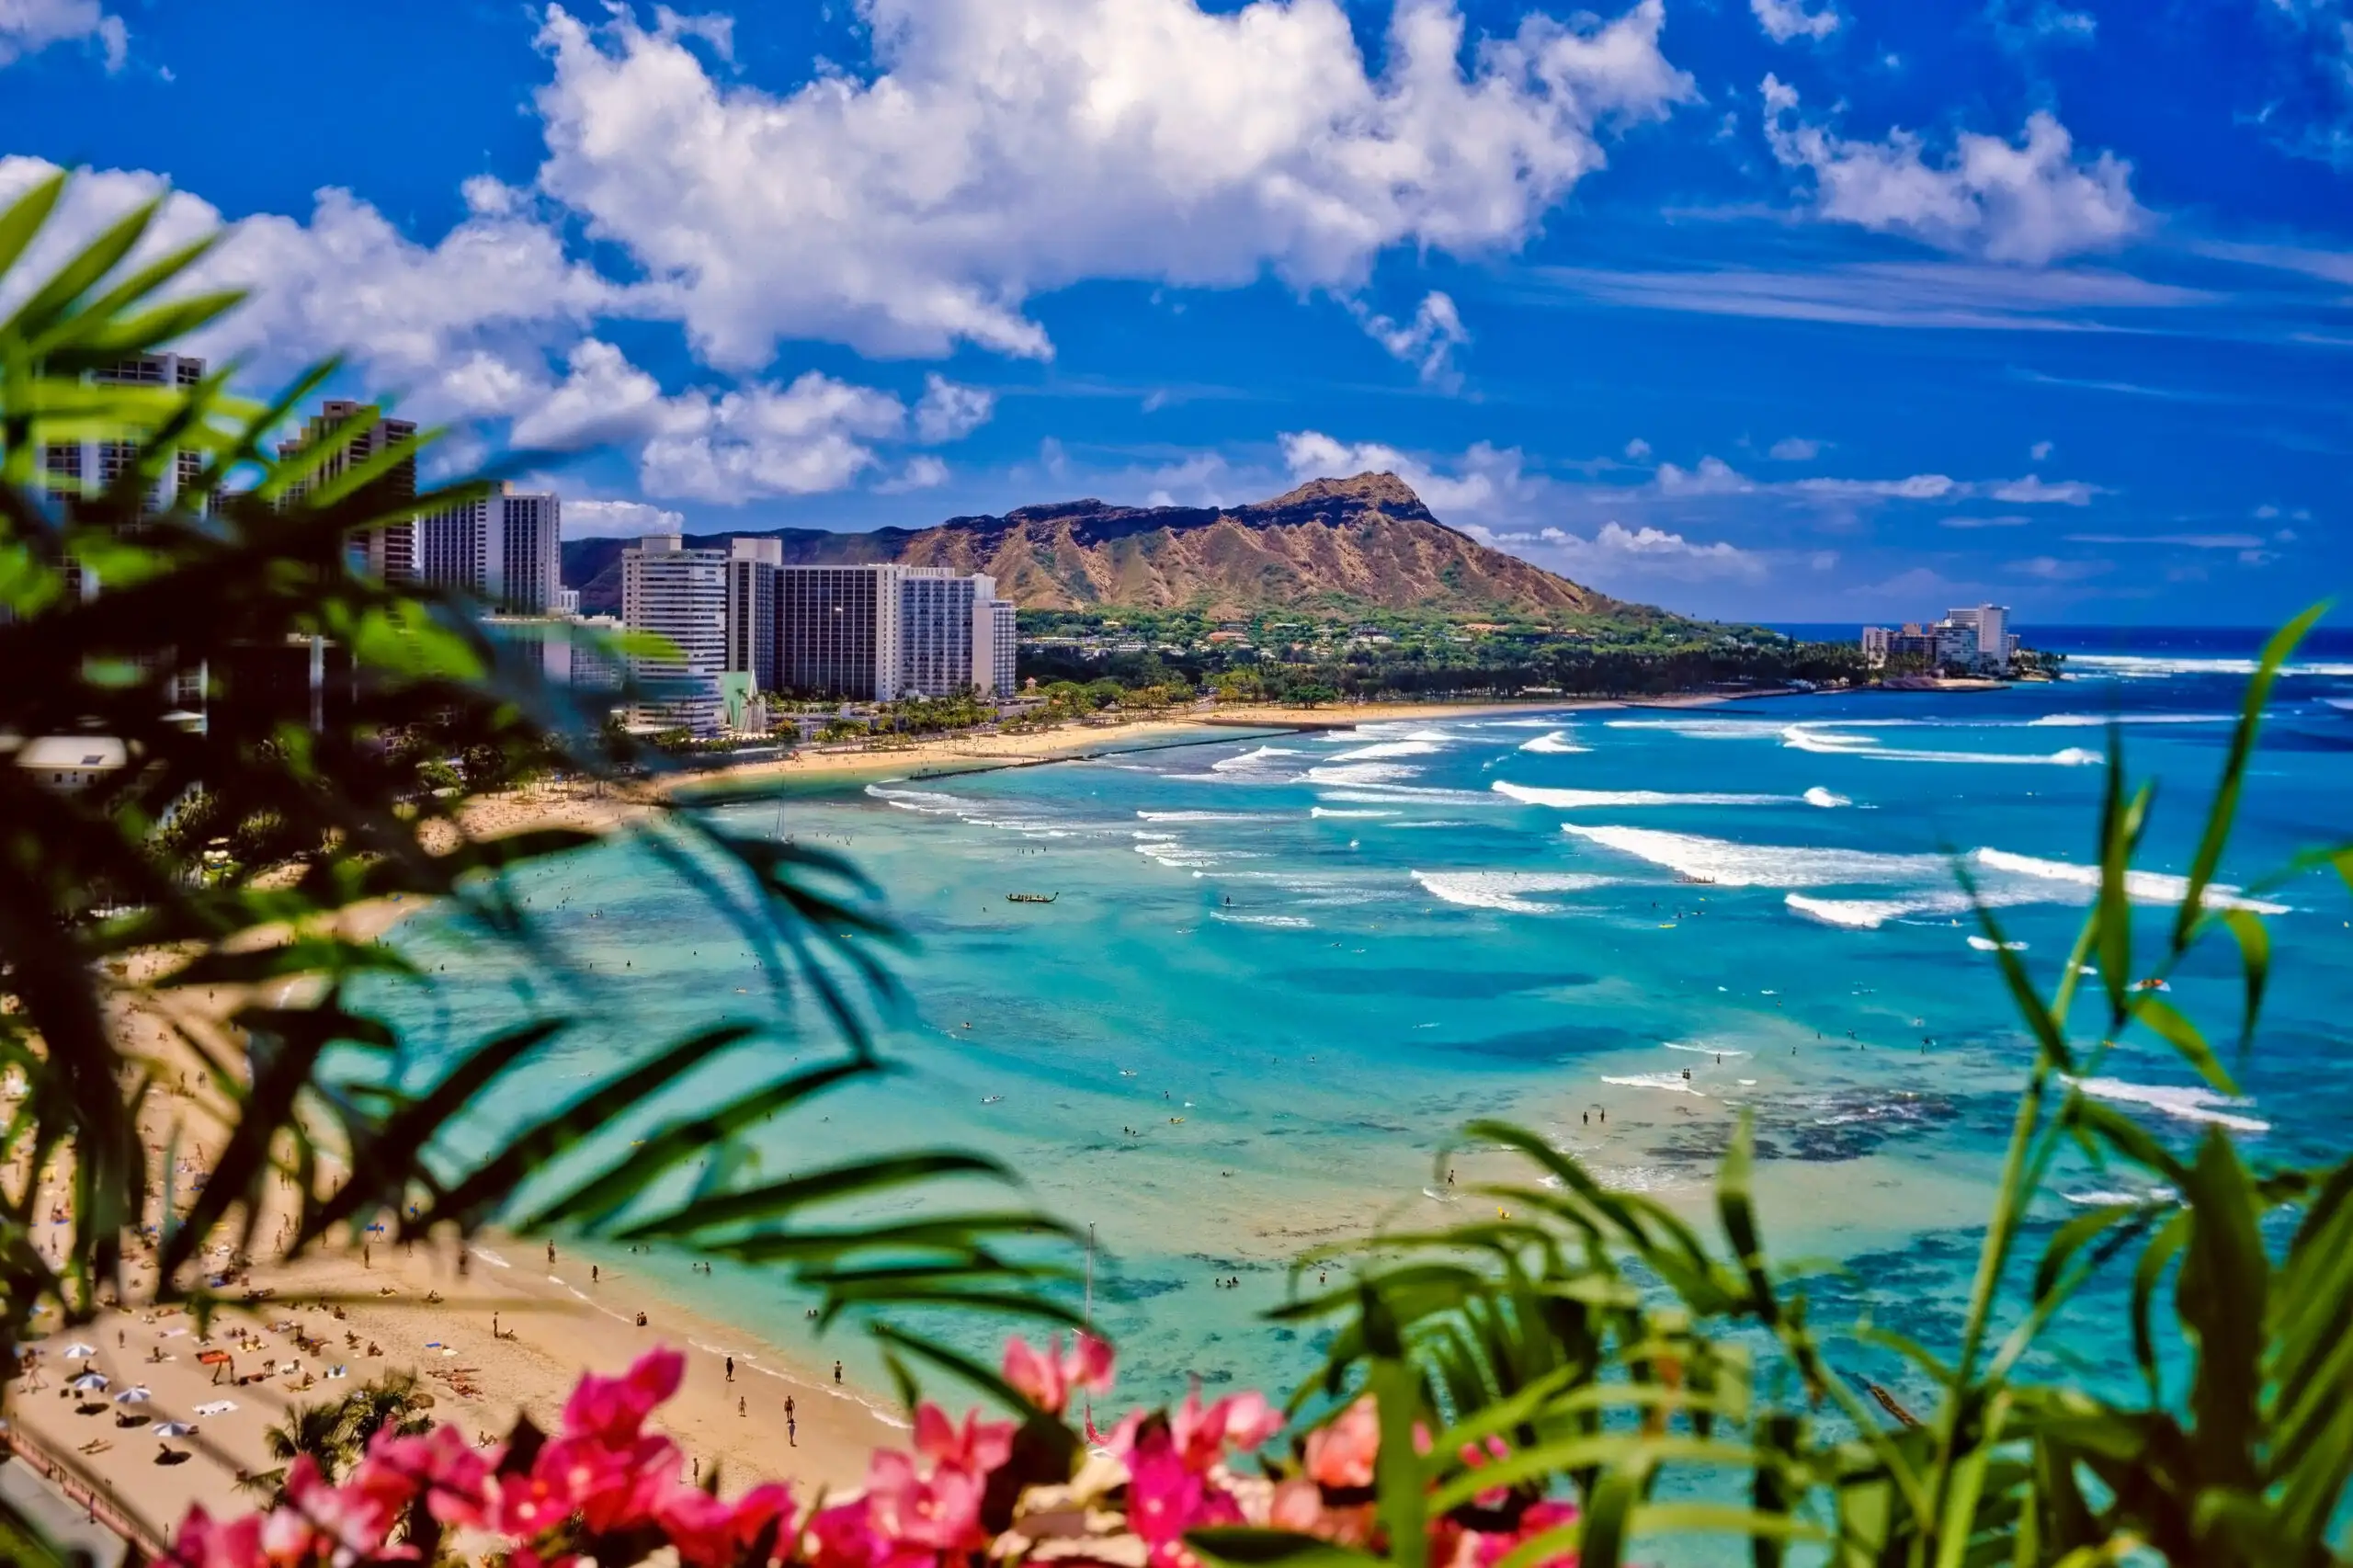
[
  {"x": 2148, "y": 886},
  {"x": 1818, "y": 796},
  {"x": 2187, "y": 1104},
  {"x": 1574, "y": 799},
  {"x": 1827, "y": 738},
  {"x": 1505, "y": 889},
  {"x": 1556, "y": 743}
]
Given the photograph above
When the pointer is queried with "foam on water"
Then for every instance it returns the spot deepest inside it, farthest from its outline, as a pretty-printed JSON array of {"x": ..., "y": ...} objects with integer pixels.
[
  {"x": 2148, "y": 886},
  {"x": 1818, "y": 796},
  {"x": 1210, "y": 816},
  {"x": 1732, "y": 864},
  {"x": 1343, "y": 811},
  {"x": 1505, "y": 889},
  {"x": 1705, "y": 729},
  {"x": 1675, "y": 1082},
  {"x": 1384, "y": 749},
  {"x": 2155, "y": 666},
  {"x": 1854, "y": 913},
  {"x": 1276, "y": 921},
  {"x": 1831, "y": 738},
  {"x": 1359, "y": 773},
  {"x": 1987, "y": 945},
  {"x": 1253, "y": 761},
  {"x": 2187, "y": 1104},
  {"x": 1586, "y": 799},
  {"x": 1556, "y": 743}
]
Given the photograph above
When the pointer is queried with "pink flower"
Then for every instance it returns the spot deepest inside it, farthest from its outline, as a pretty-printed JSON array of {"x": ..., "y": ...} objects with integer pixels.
[
  {"x": 454, "y": 1476},
  {"x": 1241, "y": 1421},
  {"x": 1167, "y": 1497},
  {"x": 611, "y": 1486},
  {"x": 1540, "y": 1518},
  {"x": 202, "y": 1543},
  {"x": 713, "y": 1533},
  {"x": 1342, "y": 1452},
  {"x": 978, "y": 1447},
  {"x": 938, "y": 1513},
  {"x": 1047, "y": 1381},
  {"x": 615, "y": 1407}
]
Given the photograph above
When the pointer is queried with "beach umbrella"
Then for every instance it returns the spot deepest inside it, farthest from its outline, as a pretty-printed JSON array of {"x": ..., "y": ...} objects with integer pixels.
[
  {"x": 78, "y": 1351},
  {"x": 173, "y": 1430},
  {"x": 133, "y": 1397},
  {"x": 89, "y": 1383}
]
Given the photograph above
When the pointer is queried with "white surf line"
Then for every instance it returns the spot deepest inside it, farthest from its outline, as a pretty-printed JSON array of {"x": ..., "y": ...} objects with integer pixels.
[{"x": 489, "y": 1256}]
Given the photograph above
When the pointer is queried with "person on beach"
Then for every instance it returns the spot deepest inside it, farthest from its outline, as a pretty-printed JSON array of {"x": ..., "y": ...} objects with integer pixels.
[
  {"x": 838, "y": 1373},
  {"x": 731, "y": 1368}
]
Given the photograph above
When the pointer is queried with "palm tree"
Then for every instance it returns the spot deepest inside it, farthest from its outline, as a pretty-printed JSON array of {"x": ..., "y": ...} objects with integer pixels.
[{"x": 334, "y": 1436}]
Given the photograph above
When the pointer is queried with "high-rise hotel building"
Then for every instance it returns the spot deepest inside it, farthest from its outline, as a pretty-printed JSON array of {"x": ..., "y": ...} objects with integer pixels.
[
  {"x": 505, "y": 547},
  {"x": 681, "y": 595},
  {"x": 752, "y": 566},
  {"x": 388, "y": 552}
]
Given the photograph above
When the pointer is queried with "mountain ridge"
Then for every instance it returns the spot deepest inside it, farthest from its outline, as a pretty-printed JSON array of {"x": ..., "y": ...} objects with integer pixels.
[{"x": 1365, "y": 542}]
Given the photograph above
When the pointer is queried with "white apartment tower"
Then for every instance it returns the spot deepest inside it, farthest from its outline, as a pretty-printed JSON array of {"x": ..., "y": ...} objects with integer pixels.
[
  {"x": 681, "y": 595},
  {"x": 955, "y": 634},
  {"x": 388, "y": 554},
  {"x": 838, "y": 631},
  {"x": 1992, "y": 625},
  {"x": 505, "y": 547},
  {"x": 752, "y": 568}
]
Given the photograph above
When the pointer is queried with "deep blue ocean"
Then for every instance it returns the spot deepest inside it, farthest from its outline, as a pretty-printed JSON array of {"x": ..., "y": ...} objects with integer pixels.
[{"x": 1280, "y": 970}]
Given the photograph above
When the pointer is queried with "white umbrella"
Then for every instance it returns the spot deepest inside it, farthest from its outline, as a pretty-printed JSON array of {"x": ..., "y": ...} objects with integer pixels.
[
  {"x": 78, "y": 1351},
  {"x": 173, "y": 1430},
  {"x": 89, "y": 1383},
  {"x": 133, "y": 1397}
]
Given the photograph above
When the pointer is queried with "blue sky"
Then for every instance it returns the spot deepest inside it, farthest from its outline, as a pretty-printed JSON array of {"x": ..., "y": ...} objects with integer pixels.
[{"x": 1800, "y": 310}]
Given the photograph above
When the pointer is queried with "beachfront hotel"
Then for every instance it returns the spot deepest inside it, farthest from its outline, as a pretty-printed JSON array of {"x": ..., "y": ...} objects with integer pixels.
[
  {"x": 867, "y": 633},
  {"x": 1975, "y": 637},
  {"x": 681, "y": 595},
  {"x": 505, "y": 547},
  {"x": 389, "y": 552}
]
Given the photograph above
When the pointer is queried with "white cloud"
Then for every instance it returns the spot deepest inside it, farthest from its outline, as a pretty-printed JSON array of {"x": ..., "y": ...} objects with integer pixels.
[
  {"x": 1712, "y": 477},
  {"x": 923, "y": 471},
  {"x": 1487, "y": 482},
  {"x": 947, "y": 412},
  {"x": 2040, "y": 452},
  {"x": 2032, "y": 492},
  {"x": 1006, "y": 147},
  {"x": 27, "y": 27},
  {"x": 1638, "y": 449},
  {"x": 1794, "y": 450},
  {"x": 766, "y": 440},
  {"x": 1943, "y": 295},
  {"x": 1428, "y": 342},
  {"x": 617, "y": 519},
  {"x": 603, "y": 400},
  {"x": 2030, "y": 202},
  {"x": 1785, "y": 19},
  {"x": 2007, "y": 520},
  {"x": 428, "y": 321},
  {"x": 1917, "y": 487},
  {"x": 1616, "y": 551},
  {"x": 2027, "y": 24}
]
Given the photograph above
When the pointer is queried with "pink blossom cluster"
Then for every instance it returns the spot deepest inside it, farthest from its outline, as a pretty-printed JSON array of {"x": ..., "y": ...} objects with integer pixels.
[{"x": 605, "y": 1489}]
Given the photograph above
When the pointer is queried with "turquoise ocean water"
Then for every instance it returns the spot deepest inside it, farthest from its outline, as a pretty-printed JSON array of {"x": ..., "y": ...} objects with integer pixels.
[{"x": 1279, "y": 971}]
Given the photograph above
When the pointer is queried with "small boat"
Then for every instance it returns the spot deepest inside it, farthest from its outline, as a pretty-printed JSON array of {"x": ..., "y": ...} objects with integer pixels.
[
  {"x": 1032, "y": 897},
  {"x": 992, "y": 1099},
  {"x": 2151, "y": 984}
]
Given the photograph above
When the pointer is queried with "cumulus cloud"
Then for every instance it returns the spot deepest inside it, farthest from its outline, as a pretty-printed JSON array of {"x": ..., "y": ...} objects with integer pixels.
[
  {"x": 1794, "y": 450},
  {"x": 947, "y": 412},
  {"x": 2028, "y": 202},
  {"x": 1658, "y": 548},
  {"x": 27, "y": 27},
  {"x": 800, "y": 440},
  {"x": 1486, "y": 481},
  {"x": 617, "y": 519},
  {"x": 1006, "y": 147},
  {"x": 1428, "y": 342},
  {"x": 2032, "y": 491},
  {"x": 2040, "y": 451},
  {"x": 439, "y": 322},
  {"x": 1638, "y": 449},
  {"x": 1785, "y": 19},
  {"x": 923, "y": 471},
  {"x": 1712, "y": 477}
]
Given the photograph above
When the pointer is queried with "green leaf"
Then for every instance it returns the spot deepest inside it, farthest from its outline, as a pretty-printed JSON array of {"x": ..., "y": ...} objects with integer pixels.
[
  {"x": 2254, "y": 941},
  {"x": 2168, "y": 1023},
  {"x": 2225, "y": 810},
  {"x": 2222, "y": 1295},
  {"x": 1244, "y": 1546}
]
